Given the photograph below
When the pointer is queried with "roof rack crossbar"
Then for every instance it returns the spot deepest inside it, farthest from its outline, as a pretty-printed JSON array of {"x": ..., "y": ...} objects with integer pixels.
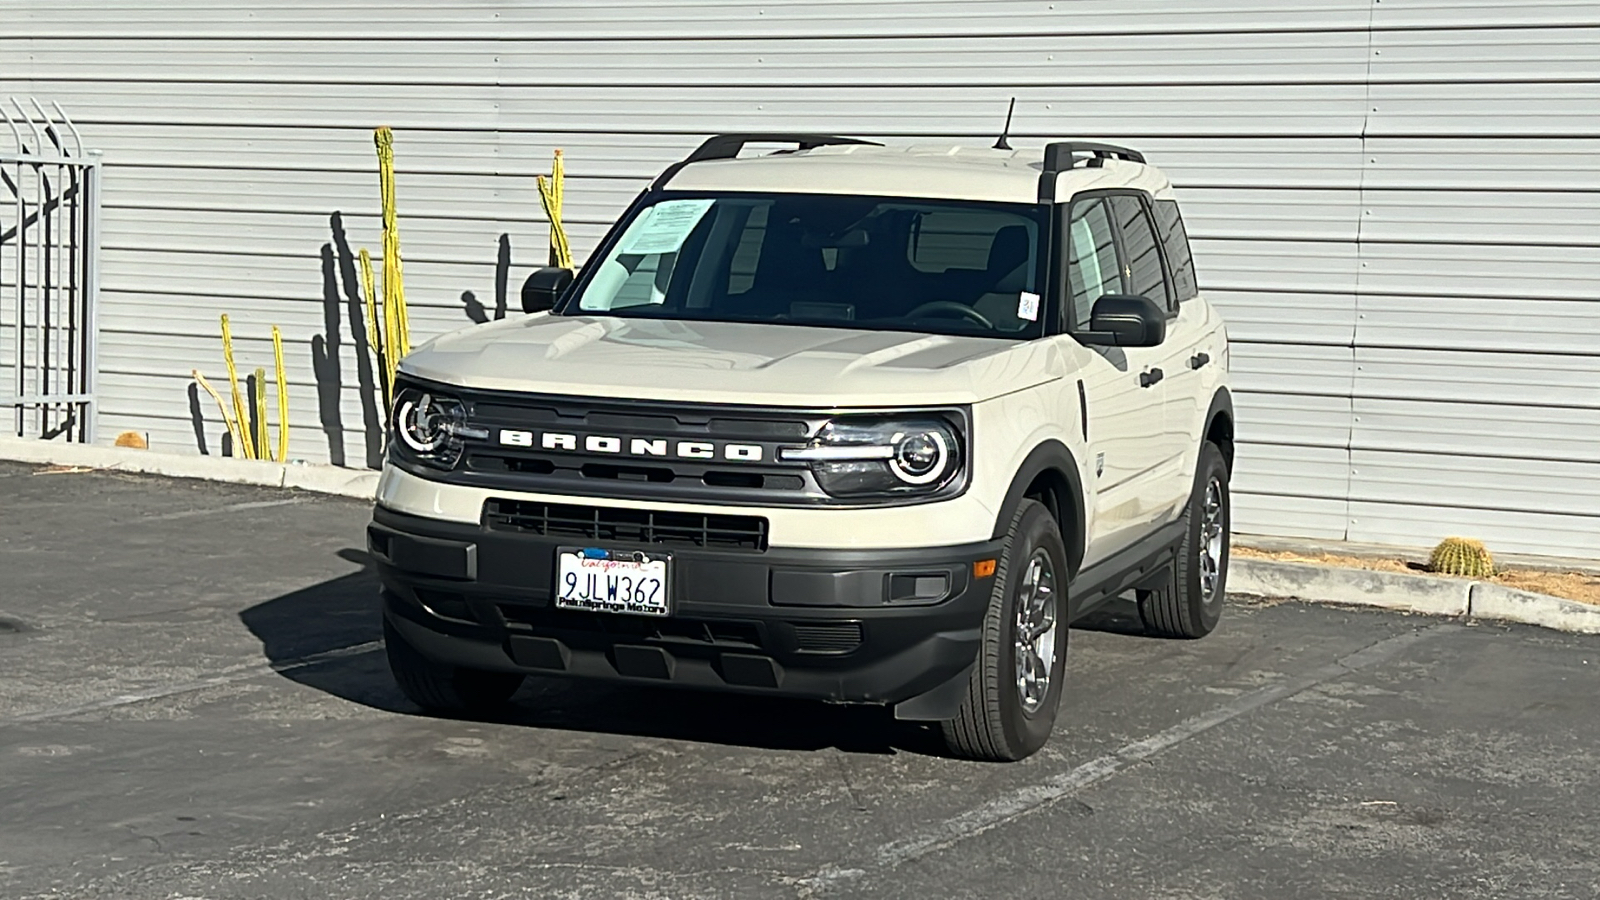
[{"x": 1058, "y": 156}]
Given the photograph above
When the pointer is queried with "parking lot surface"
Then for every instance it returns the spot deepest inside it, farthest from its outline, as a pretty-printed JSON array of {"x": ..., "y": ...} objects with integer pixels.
[{"x": 194, "y": 703}]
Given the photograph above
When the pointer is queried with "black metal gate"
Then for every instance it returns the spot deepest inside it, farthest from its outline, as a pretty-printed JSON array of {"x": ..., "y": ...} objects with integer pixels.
[{"x": 49, "y": 274}]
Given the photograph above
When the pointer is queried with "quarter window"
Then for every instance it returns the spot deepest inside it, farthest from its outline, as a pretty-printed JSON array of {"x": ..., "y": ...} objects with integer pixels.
[
  {"x": 1176, "y": 239},
  {"x": 1142, "y": 258},
  {"x": 1092, "y": 268}
]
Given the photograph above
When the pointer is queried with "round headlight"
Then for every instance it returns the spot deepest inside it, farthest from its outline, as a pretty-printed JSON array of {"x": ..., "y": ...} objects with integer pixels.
[
  {"x": 423, "y": 424},
  {"x": 920, "y": 457},
  {"x": 429, "y": 428},
  {"x": 858, "y": 456}
]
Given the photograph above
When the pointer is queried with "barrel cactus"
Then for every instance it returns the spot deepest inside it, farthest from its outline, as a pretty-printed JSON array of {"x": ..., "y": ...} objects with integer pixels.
[{"x": 1461, "y": 556}]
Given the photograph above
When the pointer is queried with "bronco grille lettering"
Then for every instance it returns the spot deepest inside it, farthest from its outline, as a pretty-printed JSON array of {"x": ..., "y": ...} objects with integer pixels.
[
  {"x": 695, "y": 450},
  {"x": 614, "y": 445}
]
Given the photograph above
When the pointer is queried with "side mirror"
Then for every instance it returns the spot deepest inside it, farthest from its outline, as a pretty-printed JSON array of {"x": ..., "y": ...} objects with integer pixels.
[
  {"x": 1126, "y": 320},
  {"x": 544, "y": 287}
]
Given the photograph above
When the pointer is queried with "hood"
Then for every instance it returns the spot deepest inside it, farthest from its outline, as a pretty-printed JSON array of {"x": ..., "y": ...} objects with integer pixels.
[{"x": 730, "y": 362}]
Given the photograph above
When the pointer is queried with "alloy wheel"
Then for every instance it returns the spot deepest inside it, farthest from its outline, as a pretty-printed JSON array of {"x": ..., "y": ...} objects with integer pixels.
[
  {"x": 1212, "y": 541},
  {"x": 1036, "y": 630}
]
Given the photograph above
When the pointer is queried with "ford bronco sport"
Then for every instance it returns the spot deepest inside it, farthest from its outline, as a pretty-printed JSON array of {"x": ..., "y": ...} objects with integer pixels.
[{"x": 840, "y": 421}]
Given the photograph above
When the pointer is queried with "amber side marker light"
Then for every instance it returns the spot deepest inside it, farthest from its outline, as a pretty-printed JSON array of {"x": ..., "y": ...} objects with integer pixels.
[{"x": 983, "y": 568}]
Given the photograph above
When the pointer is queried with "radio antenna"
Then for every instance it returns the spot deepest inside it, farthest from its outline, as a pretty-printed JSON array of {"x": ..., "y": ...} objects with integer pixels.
[{"x": 1002, "y": 143}]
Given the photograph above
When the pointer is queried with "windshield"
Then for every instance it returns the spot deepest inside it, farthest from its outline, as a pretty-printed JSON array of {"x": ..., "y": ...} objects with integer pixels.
[{"x": 893, "y": 264}]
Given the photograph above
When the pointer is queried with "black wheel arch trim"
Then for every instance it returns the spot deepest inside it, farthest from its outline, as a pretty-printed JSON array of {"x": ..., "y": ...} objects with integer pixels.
[
  {"x": 1222, "y": 406},
  {"x": 1051, "y": 455}
]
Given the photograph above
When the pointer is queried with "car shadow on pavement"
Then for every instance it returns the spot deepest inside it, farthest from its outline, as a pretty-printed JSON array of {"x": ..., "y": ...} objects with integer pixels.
[{"x": 303, "y": 631}]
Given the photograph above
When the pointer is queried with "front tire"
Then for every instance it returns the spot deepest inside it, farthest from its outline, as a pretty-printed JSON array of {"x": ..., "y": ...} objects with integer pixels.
[
  {"x": 1015, "y": 688},
  {"x": 443, "y": 688},
  {"x": 1192, "y": 605}
]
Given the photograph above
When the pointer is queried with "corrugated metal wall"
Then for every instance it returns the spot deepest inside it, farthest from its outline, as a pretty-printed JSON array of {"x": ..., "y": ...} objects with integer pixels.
[{"x": 1395, "y": 201}]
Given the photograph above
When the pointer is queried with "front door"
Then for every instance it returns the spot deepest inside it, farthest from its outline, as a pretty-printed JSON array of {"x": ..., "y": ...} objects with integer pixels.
[
  {"x": 1123, "y": 402},
  {"x": 1145, "y": 275}
]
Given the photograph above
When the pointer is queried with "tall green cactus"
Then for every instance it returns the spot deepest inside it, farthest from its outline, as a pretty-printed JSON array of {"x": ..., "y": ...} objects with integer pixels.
[{"x": 1461, "y": 556}]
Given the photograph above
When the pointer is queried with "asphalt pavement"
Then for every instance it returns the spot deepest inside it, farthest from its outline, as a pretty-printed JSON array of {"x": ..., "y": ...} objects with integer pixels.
[{"x": 194, "y": 703}]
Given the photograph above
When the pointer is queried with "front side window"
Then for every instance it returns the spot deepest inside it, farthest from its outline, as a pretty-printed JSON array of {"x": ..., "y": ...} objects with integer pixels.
[
  {"x": 1141, "y": 255},
  {"x": 1092, "y": 267},
  {"x": 874, "y": 263}
]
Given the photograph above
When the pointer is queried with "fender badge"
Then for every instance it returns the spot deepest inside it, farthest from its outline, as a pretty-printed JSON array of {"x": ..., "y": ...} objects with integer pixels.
[{"x": 1099, "y": 464}]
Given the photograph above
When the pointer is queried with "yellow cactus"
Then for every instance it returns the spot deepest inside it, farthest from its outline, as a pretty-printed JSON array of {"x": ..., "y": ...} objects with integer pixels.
[
  {"x": 233, "y": 426},
  {"x": 1461, "y": 556},
  {"x": 552, "y": 193},
  {"x": 283, "y": 396},
  {"x": 251, "y": 442},
  {"x": 263, "y": 447},
  {"x": 396, "y": 329},
  {"x": 388, "y": 320},
  {"x": 240, "y": 411}
]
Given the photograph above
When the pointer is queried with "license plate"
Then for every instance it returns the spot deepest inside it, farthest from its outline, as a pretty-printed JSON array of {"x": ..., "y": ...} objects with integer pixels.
[{"x": 614, "y": 581}]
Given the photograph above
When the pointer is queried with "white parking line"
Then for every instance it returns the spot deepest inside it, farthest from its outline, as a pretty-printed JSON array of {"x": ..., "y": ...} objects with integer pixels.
[
  {"x": 216, "y": 510},
  {"x": 1003, "y": 809},
  {"x": 229, "y": 675}
]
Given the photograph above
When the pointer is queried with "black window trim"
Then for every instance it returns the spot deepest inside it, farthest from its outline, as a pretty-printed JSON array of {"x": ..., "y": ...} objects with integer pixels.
[
  {"x": 1059, "y": 223},
  {"x": 1147, "y": 203},
  {"x": 1063, "y": 226}
]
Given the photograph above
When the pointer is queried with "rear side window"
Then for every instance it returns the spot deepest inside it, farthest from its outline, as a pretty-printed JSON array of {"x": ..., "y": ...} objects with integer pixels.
[
  {"x": 1142, "y": 258},
  {"x": 1169, "y": 223}
]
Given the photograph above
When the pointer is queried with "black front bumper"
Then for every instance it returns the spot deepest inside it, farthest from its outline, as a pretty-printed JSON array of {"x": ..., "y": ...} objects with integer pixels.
[{"x": 869, "y": 626}]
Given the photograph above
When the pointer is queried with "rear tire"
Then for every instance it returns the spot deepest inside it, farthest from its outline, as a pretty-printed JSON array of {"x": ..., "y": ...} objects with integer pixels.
[
  {"x": 441, "y": 687},
  {"x": 1010, "y": 709},
  {"x": 1191, "y": 606}
]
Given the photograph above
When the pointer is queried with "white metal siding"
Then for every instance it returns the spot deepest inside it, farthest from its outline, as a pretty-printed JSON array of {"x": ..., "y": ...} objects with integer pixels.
[{"x": 1394, "y": 201}]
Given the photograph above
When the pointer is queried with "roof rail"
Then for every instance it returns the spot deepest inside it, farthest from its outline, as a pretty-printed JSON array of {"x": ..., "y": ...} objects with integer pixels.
[
  {"x": 1058, "y": 156},
  {"x": 727, "y": 146}
]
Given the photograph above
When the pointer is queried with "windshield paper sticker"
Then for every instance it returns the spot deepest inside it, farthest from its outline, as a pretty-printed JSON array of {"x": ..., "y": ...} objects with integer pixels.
[
  {"x": 1028, "y": 306},
  {"x": 664, "y": 227}
]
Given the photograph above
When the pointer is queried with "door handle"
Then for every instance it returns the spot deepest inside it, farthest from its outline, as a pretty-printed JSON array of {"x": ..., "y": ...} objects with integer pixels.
[
  {"x": 1199, "y": 360},
  {"x": 1151, "y": 378}
]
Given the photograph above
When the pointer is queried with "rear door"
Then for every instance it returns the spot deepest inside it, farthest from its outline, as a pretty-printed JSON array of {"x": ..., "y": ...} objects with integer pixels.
[{"x": 1194, "y": 336}]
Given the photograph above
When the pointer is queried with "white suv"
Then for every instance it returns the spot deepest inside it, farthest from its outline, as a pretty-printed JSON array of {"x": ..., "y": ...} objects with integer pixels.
[{"x": 846, "y": 422}]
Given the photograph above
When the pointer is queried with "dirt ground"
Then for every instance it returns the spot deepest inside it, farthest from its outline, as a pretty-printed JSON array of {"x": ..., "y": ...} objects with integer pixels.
[{"x": 1579, "y": 586}]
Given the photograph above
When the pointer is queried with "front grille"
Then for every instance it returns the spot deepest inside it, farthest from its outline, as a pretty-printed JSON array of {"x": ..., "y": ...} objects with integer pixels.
[
  {"x": 638, "y": 456},
  {"x": 631, "y": 526},
  {"x": 827, "y": 637},
  {"x": 558, "y": 473}
]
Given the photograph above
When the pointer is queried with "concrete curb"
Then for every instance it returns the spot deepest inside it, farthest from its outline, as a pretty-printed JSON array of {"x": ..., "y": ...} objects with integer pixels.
[
  {"x": 1424, "y": 594},
  {"x": 360, "y": 483},
  {"x": 1359, "y": 587},
  {"x": 1491, "y": 601}
]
